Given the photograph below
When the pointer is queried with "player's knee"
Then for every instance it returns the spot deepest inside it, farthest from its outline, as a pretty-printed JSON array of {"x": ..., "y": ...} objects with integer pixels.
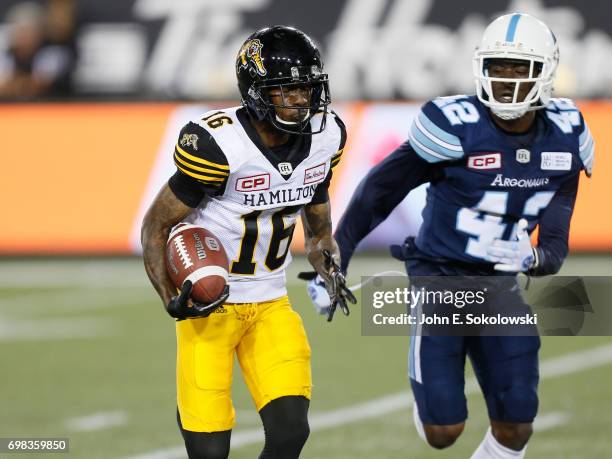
[
  {"x": 286, "y": 427},
  {"x": 207, "y": 445},
  {"x": 291, "y": 436},
  {"x": 206, "y": 451},
  {"x": 512, "y": 435},
  {"x": 519, "y": 403},
  {"x": 441, "y": 437}
]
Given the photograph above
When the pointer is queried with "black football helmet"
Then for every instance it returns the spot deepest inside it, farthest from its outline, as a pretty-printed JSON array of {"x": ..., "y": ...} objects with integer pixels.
[{"x": 282, "y": 57}]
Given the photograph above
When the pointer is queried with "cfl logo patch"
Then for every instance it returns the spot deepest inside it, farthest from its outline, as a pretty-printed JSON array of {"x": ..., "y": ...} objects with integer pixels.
[{"x": 486, "y": 161}]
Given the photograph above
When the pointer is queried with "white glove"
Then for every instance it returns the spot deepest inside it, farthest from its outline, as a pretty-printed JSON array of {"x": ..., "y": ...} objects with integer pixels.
[
  {"x": 513, "y": 256},
  {"x": 318, "y": 295}
]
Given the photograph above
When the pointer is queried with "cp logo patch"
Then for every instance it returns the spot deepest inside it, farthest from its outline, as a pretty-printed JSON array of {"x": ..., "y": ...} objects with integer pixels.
[{"x": 486, "y": 161}]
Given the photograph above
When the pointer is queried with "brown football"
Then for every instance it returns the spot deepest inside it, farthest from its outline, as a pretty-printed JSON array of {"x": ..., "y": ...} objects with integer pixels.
[{"x": 194, "y": 253}]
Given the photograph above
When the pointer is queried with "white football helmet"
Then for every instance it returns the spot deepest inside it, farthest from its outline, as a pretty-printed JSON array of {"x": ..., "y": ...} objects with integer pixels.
[{"x": 517, "y": 36}]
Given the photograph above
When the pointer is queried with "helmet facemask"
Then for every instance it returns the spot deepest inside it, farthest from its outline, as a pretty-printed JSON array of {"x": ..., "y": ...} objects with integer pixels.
[
  {"x": 541, "y": 75},
  {"x": 261, "y": 105}
]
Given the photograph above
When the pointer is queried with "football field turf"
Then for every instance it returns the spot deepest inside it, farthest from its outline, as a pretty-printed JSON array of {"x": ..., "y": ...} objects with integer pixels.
[{"x": 87, "y": 353}]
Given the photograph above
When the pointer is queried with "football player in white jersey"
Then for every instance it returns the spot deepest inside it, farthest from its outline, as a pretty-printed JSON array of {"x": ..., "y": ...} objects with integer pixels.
[{"x": 245, "y": 173}]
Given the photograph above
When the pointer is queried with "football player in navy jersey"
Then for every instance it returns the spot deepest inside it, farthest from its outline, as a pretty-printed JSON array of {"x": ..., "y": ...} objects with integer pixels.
[{"x": 499, "y": 164}]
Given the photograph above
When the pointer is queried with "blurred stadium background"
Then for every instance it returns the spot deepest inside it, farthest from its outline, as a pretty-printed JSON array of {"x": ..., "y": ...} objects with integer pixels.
[{"x": 93, "y": 95}]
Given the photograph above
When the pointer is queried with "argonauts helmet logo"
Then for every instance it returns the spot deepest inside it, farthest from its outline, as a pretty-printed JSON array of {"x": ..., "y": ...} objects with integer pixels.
[{"x": 251, "y": 51}]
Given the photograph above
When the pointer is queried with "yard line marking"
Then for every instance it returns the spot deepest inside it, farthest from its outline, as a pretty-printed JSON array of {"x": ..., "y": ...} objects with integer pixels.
[
  {"x": 55, "y": 329},
  {"x": 366, "y": 410},
  {"x": 576, "y": 362},
  {"x": 97, "y": 421},
  {"x": 77, "y": 299},
  {"x": 68, "y": 273},
  {"x": 551, "y": 368},
  {"x": 550, "y": 420}
]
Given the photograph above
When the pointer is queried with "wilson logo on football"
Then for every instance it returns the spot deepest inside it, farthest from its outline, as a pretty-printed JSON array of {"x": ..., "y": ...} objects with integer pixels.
[
  {"x": 488, "y": 161},
  {"x": 253, "y": 183},
  {"x": 314, "y": 174}
]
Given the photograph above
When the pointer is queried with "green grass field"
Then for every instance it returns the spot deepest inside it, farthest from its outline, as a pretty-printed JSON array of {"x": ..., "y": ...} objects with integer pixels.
[{"x": 85, "y": 338}]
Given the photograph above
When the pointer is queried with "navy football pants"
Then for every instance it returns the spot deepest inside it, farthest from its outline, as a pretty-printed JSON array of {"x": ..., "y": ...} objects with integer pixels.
[{"x": 506, "y": 368}]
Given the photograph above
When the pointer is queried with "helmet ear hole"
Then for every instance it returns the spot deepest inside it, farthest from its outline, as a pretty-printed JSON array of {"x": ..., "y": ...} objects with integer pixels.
[{"x": 537, "y": 69}]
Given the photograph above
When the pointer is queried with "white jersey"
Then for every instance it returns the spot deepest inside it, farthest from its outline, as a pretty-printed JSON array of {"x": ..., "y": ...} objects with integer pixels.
[{"x": 252, "y": 197}]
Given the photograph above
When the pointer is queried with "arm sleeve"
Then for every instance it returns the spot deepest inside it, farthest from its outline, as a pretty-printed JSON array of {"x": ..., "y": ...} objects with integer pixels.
[
  {"x": 202, "y": 167},
  {"x": 554, "y": 225},
  {"x": 322, "y": 192},
  {"x": 380, "y": 191},
  {"x": 586, "y": 147},
  {"x": 435, "y": 135}
]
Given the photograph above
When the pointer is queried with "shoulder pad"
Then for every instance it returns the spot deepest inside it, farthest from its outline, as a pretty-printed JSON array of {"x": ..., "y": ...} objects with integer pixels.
[
  {"x": 586, "y": 147},
  {"x": 336, "y": 158},
  {"x": 440, "y": 125},
  {"x": 197, "y": 155},
  {"x": 566, "y": 116}
]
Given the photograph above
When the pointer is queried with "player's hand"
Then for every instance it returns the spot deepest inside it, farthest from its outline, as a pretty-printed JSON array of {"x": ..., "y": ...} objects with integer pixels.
[
  {"x": 317, "y": 291},
  {"x": 330, "y": 291},
  {"x": 181, "y": 307},
  {"x": 513, "y": 256}
]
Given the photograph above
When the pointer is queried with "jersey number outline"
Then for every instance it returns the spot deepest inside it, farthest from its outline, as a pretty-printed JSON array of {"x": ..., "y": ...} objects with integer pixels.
[
  {"x": 245, "y": 264},
  {"x": 458, "y": 111},
  {"x": 567, "y": 115},
  {"x": 566, "y": 120},
  {"x": 217, "y": 119},
  {"x": 485, "y": 219}
]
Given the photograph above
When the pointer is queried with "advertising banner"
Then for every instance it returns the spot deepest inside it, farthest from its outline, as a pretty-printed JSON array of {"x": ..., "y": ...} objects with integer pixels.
[{"x": 78, "y": 178}]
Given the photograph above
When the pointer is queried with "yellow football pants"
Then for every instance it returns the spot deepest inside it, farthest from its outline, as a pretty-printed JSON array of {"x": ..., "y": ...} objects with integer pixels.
[{"x": 272, "y": 349}]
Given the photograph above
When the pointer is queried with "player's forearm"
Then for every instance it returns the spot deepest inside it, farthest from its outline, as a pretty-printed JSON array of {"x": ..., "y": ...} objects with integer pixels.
[
  {"x": 317, "y": 223},
  {"x": 547, "y": 261},
  {"x": 318, "y": 233},
  {"x": 553, "y": 236},
  {"x": 154, "y": 237},
  {"x": 165, "y": 212},
  {"x": 551, "y": 251}
]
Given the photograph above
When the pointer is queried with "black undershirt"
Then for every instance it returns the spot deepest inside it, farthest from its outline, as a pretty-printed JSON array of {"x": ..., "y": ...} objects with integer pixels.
[{"x": 294, "y": 151}]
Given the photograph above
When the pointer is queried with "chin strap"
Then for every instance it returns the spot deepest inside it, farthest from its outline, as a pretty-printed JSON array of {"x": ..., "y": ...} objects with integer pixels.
[
  {"x": 508, "y": 114},
  {"x": 292, "y": 123}
]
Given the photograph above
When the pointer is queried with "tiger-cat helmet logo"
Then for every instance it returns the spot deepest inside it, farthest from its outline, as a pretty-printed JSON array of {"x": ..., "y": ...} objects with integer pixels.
[
  {"x": 189, "y": 139},
  {"x": 252, "y": 51}
]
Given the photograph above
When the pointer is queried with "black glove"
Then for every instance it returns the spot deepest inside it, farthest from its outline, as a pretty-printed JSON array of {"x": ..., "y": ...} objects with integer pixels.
[
  {"x": 335, "y": 283},
  {"x": 179, "y": 307}
]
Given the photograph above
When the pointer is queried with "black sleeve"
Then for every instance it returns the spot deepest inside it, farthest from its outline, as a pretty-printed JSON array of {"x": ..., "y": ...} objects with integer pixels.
[
  {"x": 380, "y": 191},
  {"x": 336, "y": 158},
  {"x": 202, "y": 168},
  {"x": 554, "y": 229},
  {"x": 322, "y": 192}
]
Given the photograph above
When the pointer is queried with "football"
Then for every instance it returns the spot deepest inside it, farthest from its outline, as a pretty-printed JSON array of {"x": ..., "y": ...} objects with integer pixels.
[{"x": 194, "y": 253}]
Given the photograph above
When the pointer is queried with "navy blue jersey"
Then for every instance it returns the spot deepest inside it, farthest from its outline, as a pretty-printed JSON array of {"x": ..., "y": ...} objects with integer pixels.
[
  {"x": 483, "y": 180},
  {"x": 492, "y": 178}
]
